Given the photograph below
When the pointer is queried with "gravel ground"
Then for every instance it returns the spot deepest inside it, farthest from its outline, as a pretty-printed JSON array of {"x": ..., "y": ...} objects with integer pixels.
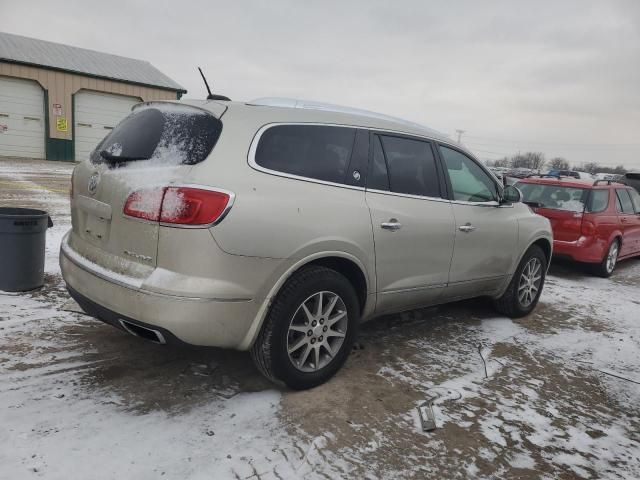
[{"x": 552, "y": 395}]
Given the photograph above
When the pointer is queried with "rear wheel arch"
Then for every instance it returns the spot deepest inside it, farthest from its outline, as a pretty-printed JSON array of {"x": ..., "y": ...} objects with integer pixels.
[
  {"x": 347, "y": 265},
  {"x": 348, "y": 269}
]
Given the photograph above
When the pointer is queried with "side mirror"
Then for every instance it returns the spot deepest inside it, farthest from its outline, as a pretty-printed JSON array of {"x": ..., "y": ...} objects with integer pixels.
[{"x": 511, "y": 194}]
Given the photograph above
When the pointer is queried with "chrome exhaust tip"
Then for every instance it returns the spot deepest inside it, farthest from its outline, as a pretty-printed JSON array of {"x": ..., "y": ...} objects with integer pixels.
[{"x": 143, "y": 332}]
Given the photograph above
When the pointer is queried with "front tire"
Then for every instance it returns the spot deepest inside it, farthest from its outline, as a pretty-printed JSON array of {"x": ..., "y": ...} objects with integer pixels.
[
  {"x": 524, "y": 290},
  {"x": 309, "y": 329}
]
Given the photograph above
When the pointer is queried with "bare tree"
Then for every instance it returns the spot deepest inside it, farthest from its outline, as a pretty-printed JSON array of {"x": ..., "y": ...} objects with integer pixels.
[
  {"x": 502, "y": 162},
  {"x": 558, "y": 163},
  {"x": 532, "y": 160},
  {"x": 591, "y": 167}
]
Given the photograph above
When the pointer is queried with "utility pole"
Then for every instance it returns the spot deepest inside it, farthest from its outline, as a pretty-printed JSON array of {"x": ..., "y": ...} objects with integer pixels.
[{"x": 460, "y": 132}]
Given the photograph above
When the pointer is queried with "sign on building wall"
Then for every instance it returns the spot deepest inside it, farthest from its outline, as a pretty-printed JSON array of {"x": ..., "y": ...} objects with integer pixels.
[
  {"x": 57, "y": 110},
  {"x": 61, "y": 124}
]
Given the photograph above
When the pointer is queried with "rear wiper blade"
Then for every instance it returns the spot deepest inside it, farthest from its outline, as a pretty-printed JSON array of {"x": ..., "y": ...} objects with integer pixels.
[{"x": 117, "y": 158}]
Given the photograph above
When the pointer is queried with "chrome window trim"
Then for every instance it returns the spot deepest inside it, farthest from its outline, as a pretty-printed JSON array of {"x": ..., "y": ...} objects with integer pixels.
[
  {"x": 408, "y": 195},
  {"x": 251, "y": 156}
]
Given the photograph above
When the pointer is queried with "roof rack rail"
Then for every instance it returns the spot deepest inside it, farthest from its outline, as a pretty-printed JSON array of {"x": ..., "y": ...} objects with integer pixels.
[
  {"x": 609, "y": 181},
  {"x": 544, "y": 175}
]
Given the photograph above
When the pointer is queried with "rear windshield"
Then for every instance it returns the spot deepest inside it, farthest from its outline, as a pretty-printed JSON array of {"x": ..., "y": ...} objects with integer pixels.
[
  {"x": 168, "y": 133},
  {"x": 555, "y": 197}
]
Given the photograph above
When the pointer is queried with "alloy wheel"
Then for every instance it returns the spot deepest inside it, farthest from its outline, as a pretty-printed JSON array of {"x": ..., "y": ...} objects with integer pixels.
[
  {"x": 530, "y": 280},
  {"x": 317, "y": 331},
  {"x": 612, "y": 257}
]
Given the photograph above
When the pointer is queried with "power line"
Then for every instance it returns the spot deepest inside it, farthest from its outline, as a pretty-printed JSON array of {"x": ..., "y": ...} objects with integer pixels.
[
  {"x": 558, "y": 147},
  {"x": 535, "y": 142}
]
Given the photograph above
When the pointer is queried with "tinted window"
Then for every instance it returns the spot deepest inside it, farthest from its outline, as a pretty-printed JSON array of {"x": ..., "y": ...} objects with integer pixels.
[
  {"x": 470, "y": 183},
  {"x": 598, "y": 201},
  {"x": 378, "y": 178},
  {"x": 313, "y": 151},
  {"x": 624, "y": 205},
  {"x": 171, "y": 133},
  {"x": 411, "y": 166},
  {"x": 555, "y": 197},
  {"x": 635, "y": 198},
  {"x": 358, "y": 166}
]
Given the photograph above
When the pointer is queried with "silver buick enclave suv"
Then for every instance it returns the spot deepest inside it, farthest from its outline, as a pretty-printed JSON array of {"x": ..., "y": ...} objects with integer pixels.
[{"x": 278, "y": 226}]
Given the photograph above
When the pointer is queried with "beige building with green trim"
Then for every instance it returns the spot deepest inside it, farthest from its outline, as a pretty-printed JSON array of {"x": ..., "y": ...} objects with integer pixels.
[{"x": 57, "y": 101}]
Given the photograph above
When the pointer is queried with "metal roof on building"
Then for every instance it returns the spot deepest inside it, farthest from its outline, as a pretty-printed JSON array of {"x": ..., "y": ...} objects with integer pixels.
[{"x": 31, "y": 51}]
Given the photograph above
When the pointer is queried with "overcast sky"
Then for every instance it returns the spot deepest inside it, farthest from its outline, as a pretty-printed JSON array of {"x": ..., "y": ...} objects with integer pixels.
[{"x": 561, "y": 77}]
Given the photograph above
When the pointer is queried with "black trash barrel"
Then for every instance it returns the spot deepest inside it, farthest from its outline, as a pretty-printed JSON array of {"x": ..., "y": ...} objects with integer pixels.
[{"x": 22, "y": 240}]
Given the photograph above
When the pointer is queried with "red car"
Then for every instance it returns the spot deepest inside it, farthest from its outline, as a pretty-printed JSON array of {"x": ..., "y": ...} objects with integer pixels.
[{"x": 593, "y": 222}]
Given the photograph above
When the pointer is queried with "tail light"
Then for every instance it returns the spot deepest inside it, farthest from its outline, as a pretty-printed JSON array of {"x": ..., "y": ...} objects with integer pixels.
[{"x": 187, "y": 206}]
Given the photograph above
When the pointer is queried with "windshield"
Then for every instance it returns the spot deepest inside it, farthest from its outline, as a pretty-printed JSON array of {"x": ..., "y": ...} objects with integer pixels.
[
  {"x": 166, "y": 133},
  {"x": 555, "y": 197}
]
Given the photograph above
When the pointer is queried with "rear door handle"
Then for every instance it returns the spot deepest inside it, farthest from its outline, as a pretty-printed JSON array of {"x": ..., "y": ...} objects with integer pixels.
[
  {"x": 392, "y": 225},
  {"x": 467, "y": 228}
]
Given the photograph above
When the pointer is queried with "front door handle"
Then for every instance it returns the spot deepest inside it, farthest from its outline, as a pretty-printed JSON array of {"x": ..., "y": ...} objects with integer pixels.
[
  {"x": 392, "y": 225},
  {"x": 466, "y": 228}
]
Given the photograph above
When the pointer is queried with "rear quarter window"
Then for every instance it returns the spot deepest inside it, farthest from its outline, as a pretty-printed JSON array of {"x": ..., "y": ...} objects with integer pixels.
[
  {"x": 320, "y": 152},
  {"x": 598, "y": 201}
]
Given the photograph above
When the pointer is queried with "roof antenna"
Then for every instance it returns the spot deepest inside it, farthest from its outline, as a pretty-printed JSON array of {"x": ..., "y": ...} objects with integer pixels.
[{"x": 211, "y": 96}]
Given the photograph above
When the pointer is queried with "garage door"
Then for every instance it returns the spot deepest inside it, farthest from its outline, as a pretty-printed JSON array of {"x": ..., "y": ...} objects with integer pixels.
[
  {"x": 95, "y": 116},
  {"x": 22, "y": 118}
]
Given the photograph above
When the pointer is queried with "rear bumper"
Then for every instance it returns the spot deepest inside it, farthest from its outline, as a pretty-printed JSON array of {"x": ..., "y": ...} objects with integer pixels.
[
  {"x": 584, "y": 249},
  {"x": 117, "y": 320},
  {"x": 180, "y": 319}
]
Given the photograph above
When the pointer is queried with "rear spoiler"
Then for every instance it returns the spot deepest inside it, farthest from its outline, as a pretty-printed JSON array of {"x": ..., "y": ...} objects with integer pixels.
[{"x": 212, "y": 108}]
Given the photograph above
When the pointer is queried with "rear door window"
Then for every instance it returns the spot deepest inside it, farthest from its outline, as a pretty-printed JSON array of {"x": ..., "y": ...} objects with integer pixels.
[
  {"x": 320, "y": 152},
  {"x": 598, "y": 201},
  {"x": 411, "y": 166},
  {"x": 168, "y": 133},
  {"x": 470, "y": 183},
  {"x": 624, "y": 204}
]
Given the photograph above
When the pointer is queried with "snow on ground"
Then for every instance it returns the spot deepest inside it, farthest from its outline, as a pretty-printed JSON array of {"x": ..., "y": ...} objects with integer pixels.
[{"x": 551, "y": 395}]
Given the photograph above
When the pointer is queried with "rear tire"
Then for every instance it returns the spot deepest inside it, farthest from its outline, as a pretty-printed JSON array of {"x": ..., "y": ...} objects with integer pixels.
[
  {"x": 285, "y": 350},
  {"x": 524, "y": 290},
  {"x": 605, "y": 268}
]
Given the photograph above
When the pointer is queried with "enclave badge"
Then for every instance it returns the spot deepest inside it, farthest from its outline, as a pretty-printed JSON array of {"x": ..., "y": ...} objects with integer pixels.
[{"x": 94, "y": 179}]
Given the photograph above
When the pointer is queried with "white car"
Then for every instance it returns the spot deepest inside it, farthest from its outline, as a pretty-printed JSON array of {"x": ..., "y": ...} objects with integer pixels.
[{"x": 278, "y": 226}]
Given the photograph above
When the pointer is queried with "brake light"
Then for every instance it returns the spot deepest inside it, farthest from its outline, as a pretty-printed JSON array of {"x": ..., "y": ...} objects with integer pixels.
[
  {"x": 145, "y": 204},
  {"x": 178, "y": 205}
]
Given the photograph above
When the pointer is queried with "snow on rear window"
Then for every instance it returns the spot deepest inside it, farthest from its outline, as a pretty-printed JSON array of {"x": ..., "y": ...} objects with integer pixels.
[
  {"x": 556, "y": 197},
  {"x": 160, "y": 134}
]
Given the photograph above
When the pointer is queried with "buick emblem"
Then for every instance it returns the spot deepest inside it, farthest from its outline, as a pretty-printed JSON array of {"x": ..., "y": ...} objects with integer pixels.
[{"x": 94, "y": 179}]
